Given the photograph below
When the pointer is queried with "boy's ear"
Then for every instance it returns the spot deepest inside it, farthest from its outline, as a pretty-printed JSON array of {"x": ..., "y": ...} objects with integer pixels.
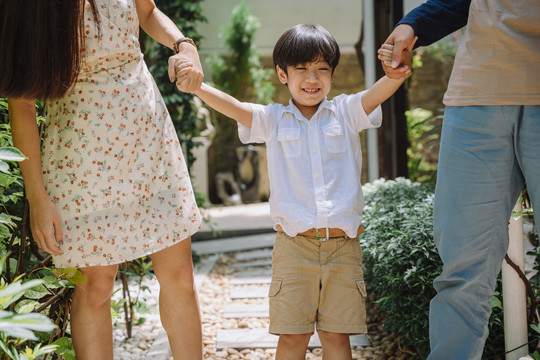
[{"x": 282, "y": 75}]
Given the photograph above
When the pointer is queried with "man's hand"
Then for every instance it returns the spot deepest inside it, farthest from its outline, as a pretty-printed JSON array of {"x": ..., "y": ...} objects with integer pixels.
[{"x": 403, "y": 40}]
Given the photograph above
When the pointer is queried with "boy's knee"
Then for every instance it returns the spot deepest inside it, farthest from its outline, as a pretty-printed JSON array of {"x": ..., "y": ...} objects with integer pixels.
[
  {"x": 294, "y": 340},
  {"x": 336, "y": 339}
]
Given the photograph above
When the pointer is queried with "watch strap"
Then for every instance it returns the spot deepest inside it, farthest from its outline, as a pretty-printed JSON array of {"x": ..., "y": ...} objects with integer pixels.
[{"x": 176, "y": 45}]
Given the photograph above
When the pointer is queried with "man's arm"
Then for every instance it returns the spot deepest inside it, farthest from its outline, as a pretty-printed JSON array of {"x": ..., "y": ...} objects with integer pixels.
[
  {"x": 430, "y": 22},
  {"x": 434, "y": 19}
]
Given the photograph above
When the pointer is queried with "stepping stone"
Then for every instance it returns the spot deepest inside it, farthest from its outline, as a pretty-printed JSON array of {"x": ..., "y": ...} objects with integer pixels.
[
  {"x": 160, "y": 348},
  {"x": 256, "y": 263},
  {"x": 235, "y": 311},
  {"x": 240, "y": 243},
  {"x": 254, "y": 255},
  {"x": 260, "y": 338},
  {"x": 249, "y": 292},
  {"x": 251, "y": 280},
  {"x": 202, "y": 269},
  {"x": 253, "y": 273}
]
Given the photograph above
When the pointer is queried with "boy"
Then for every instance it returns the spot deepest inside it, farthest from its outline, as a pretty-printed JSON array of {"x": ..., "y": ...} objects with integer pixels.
[{"x": 314, "y": 165}]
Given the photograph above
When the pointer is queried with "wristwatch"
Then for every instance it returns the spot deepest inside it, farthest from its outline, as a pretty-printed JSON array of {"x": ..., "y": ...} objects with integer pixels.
[{"x": 176, "y": 45}]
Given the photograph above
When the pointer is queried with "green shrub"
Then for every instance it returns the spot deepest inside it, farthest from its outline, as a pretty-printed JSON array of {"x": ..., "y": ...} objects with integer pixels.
[
  {"x": 424, "y": 135},
  {"x": 400, "y": 258},
  {"x": 401, "y": 261}
]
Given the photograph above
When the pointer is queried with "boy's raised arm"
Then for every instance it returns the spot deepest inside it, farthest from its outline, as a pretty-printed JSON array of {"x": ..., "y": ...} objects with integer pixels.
[
  {"x": 225, "y": 104},
  {"x": 380, "y": 92},
  {"x": 385, "y": 86}
]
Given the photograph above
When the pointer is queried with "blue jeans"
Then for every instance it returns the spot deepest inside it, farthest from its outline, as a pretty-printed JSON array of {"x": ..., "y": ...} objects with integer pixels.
[{"x": 487, "y": 153}]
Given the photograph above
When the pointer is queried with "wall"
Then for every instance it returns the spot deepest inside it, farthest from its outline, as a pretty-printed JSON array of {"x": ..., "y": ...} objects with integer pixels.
[{"x": 342, "y": 18}]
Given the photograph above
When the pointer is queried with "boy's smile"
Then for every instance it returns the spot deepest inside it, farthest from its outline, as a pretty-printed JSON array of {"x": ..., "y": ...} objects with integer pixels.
[{"x": 308, "y": 83}]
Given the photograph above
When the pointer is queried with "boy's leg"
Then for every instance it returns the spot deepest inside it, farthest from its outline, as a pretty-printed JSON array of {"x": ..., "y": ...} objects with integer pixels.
[
  {"x": 336, "y": 346},
  {"x": 292, "y": 346}
]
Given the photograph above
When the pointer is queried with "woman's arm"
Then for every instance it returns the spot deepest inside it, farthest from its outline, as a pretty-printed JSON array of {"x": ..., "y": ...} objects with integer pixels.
[
  {"x": 225, "y": 104},
  {"x": 45, "y": 219},
  {"x": 161, "y": 28}
]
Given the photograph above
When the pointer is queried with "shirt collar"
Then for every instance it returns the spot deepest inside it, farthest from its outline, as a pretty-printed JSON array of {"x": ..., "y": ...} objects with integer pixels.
[{"x": 292, "y": 109}]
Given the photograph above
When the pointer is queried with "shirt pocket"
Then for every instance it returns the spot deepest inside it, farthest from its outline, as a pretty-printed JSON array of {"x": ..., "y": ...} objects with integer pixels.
[
  {"x": 334, "y": 138},
  {"x": 290, "y": 142}
]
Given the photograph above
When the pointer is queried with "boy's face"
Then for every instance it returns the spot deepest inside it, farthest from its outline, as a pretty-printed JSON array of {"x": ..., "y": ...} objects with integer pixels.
[{"x": 308, "y": 84}]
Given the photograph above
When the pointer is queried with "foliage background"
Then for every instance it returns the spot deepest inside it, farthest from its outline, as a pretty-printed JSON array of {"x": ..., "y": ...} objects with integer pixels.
[{"x": 240, "y": 74}]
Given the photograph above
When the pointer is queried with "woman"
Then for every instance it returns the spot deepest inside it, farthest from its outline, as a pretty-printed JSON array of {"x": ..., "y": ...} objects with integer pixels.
[{"x": 111, "y": 185}]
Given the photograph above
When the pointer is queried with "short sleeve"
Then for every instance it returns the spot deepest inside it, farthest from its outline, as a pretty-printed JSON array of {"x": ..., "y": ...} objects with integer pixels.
[
  {"x": 260, "y": 125},
  {"x": 355, "y": 114}
]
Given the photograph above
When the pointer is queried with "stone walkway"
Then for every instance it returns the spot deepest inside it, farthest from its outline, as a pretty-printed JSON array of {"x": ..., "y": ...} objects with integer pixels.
[{"x": 232, "y": 280}]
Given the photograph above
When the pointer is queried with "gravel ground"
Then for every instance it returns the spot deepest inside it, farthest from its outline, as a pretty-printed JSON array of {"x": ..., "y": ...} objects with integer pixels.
[{"x": 213, "y": 295}]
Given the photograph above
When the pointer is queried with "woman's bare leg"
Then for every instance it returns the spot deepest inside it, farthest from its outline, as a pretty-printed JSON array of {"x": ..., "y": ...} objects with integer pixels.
[
  {"x": 178, "y": 301},
  {"x": 90, "y": 314}
]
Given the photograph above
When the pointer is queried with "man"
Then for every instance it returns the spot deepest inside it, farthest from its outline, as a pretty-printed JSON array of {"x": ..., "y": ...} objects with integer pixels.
[{"x": 490, "y": 147}]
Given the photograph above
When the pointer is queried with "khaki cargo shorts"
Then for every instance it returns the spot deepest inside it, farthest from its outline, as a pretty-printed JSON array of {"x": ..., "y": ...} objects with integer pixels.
[{"x": 317, "y": 283}]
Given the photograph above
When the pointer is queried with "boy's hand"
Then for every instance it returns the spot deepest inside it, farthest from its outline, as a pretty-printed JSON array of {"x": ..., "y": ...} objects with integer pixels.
[
  {"x": 182, "y": 69},
  {"x": 387, "y": 56},
  {"x": 403, "y": 39},
  {"x": 194, "y": 78}
]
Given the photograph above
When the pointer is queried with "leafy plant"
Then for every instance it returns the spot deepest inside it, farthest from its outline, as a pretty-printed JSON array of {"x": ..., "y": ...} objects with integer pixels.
[
  {"x": 18, "y": 327},
  {"x": 240, "y": 74},
  {"x": 400, "y": 258},
  {"x": 401, "y": 261},
  {"x": 424, "y": 134}
]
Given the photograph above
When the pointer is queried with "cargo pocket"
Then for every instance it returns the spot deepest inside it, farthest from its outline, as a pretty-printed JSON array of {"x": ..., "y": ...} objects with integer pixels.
[
  {"x": 290, "y": 142},
  {"x": 334, "y": 138},
  {"x": 275, "y": 286},
  {"x": 361, "y": 287}
]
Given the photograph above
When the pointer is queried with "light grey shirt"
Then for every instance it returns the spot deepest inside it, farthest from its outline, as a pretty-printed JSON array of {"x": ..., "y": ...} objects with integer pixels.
[{"x": 498, "y": 61}]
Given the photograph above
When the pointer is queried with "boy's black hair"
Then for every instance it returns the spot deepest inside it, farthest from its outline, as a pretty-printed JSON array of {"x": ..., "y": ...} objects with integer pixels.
[{"x": 305, "y": 43}]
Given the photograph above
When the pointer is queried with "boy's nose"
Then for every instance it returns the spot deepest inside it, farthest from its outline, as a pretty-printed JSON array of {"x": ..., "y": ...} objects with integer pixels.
[{"x": 312, "y": 76}]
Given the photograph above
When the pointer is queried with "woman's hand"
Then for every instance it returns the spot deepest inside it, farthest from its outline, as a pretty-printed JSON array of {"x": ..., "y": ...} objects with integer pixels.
[
  {"x": 46, "y": 225},
  {"x": 185, "y": 68}
]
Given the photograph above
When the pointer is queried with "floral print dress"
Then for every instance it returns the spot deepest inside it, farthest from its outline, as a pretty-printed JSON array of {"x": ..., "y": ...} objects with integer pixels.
[{"x": 111, "y": 159}]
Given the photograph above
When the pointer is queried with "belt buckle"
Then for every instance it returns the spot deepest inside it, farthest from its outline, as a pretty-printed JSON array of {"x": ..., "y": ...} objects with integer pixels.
[{"x": 321, "y": 239}]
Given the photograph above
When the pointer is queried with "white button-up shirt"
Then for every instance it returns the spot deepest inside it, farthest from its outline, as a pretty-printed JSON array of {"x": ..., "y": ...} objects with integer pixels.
[{"x": 314, "y": 166}]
